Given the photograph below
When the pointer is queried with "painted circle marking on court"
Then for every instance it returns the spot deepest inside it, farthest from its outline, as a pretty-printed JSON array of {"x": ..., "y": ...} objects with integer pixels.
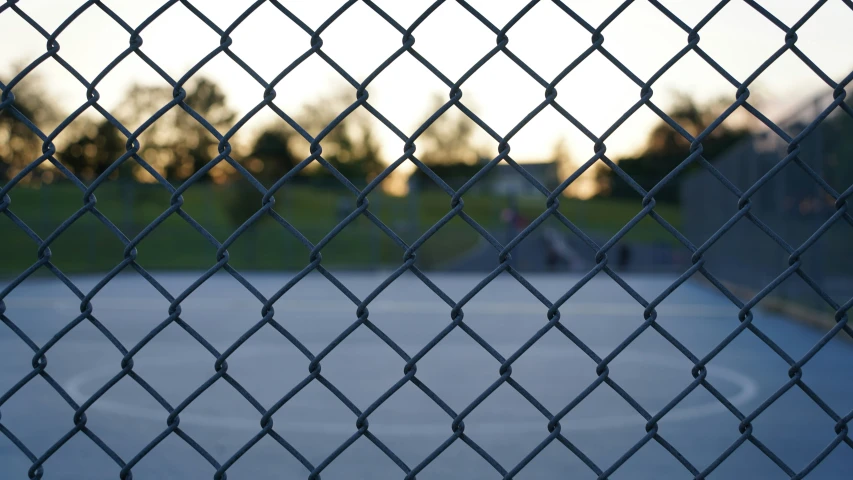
[{"x": 747, "y": 390}]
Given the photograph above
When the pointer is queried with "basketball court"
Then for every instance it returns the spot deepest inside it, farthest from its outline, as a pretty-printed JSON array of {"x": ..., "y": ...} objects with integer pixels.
[{"x": 362, "y": 367}]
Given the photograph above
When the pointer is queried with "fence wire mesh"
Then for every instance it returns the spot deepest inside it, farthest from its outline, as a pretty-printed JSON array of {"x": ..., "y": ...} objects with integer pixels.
[
  {"x": 552, "y": 432},
  {"x": 791, "y": 207}
]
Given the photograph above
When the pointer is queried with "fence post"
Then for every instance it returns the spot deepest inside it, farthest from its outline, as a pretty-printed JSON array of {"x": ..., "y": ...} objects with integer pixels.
[
  {"x": 820, "y": 154},
  {"x": 414, "y": 213},
  {"x": 375, "y": 234},
  {"x": 127, "y": 191},
  {"x": 44, "y": 195}
]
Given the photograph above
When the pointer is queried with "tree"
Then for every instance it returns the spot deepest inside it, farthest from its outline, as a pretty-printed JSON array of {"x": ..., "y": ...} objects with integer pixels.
[
  {"x": 271, "y": 155},
  {"x": 269, "y": 158},
  {"x": 666, "y": 148},
  {"x": 449, "y": 139},
  {"x": 19, "y": 146},
  {"x": 177, "y": 145},
  {"x": 447, "y": 148},
  {"x": 97, "y": 146},
  {"x": 350, "y": 147}
]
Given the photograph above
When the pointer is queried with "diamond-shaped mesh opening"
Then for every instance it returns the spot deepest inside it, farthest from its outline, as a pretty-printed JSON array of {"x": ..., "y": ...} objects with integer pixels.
[
  {"x": 506, "y": 412},
  {"x": 403, "y": 13},
  {"x": 501, "y": 78},
  {"x": 458, "y": 457},
  {"x": 318, "y": 83},
  {"x": 787, "y": 13},
  {"x": 118, "y": 97},
  {"x": 221, "y": 321},
  {"x": 89, "y": 53},
  {"x": 596, "y": 76},
  {"x": 554, "y": 387},
  {"x": 407, "y": 419},
  {"x": 275, "y": 29},
  {"x": 360, "y": 56},
  {"x": 196, "y": 251},
  {"x": 722, "y": 35},
  {"x": 371, "y": 461},
  {"x": 175, "y": 453},
  {"x": 822, "y": 150},
  {"x": 808, "y": 35},
  {"x": 647, "y": 454},
  {"x": 592, "y": 13},
  {"x": 547, "y": 24},
  {"x": 583, "y": 425},
  {"x": 451, "y": 20},
  {"x": 30, "y": 44},
  {"x": 748, "y": 459},
  {"x": 471, "y": 378},
  {"x": 298, "y": 310},
  {"x": 788, "y": 73},
  {"x": 453, "y": 235},
  {"x": 132, "y": 14},
  {"x": 231, "y": 109},
  {"x": 263, "y": 459},
  {"x": 206, "y": 411},
  {"x": 226, "y": 14},
  {"x": 89, "y": 147},
  {"x": 77, "y": 454},
  {"x": 404, "y": 87},
  {"x": 700, "y": 410},
  {"x": 517, "y": 315},
  {"x": 642, "y": 51},
  {"x": 313, "y": 17},
  {"x": 196, "y": 363},
  {"x": 125, "y": 416},
  {"x": 555, "y": 455},
  {"x": 713, "y": 95},
  {"x": 49, "y": 18},
  {"x": 451, "y": 138},
  {"x": 409, "y": 313},
  {"x": 814, "y": 430},
  {"x": 33, "y": 94},
  {"x": 690, "y": 13},
  {"x": 87, "y": 242},
  {"x": 314, "y": 404},
  {"x": 24, "y": 422},
  {"x": 834, "y": 463},
  {"x": 197, "y": 40},
  {"x": 364, "y": 380},
  {"x": 661, "y": 363}
]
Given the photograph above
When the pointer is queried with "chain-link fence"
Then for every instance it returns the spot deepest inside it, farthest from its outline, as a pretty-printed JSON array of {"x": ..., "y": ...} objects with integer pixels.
[
  {"x": 793, "y": 208},
  {"x": 747, "y": 197}
]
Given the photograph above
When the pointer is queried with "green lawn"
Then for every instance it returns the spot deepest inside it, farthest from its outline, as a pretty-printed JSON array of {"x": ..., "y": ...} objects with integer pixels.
[{"x": 89, "y": 246}]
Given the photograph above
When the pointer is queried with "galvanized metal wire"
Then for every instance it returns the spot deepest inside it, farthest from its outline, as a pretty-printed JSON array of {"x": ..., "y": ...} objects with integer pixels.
[{"x": 551, "y": 427}]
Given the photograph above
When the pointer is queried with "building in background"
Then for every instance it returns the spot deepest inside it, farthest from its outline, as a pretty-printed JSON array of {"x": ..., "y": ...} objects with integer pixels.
[
  {"x": 502, "y": 180},
  {"x": 505, "y": 180}
]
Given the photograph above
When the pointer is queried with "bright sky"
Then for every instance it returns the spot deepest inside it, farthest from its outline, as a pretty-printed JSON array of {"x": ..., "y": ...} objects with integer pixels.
[{"x": 547, "y": 39}]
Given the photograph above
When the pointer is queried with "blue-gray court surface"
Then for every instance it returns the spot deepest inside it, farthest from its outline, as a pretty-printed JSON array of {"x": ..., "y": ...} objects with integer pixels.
[{"x": 505, "y": 425}]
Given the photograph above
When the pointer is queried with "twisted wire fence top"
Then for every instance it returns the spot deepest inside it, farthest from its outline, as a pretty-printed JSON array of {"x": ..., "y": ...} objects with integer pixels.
[{"x": 455, "y": 305}]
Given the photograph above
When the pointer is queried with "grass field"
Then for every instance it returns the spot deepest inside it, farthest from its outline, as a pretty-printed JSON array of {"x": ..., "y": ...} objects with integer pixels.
[{"x": 87, "y": 245}]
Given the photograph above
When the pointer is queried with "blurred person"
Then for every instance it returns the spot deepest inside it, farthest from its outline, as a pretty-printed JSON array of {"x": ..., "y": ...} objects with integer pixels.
[{"x": 624, "y": 256}]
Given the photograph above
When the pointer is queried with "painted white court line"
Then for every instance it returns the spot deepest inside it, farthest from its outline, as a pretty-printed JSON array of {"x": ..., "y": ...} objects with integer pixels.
[
  {"x": 747, "y": 390},
  {"x": 137, "y": 304}
]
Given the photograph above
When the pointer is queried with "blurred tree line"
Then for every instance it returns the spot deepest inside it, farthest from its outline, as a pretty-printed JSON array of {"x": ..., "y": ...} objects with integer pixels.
[
  {"x": 177, "y": 145},
  {"x": 665, "y": 149}
]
